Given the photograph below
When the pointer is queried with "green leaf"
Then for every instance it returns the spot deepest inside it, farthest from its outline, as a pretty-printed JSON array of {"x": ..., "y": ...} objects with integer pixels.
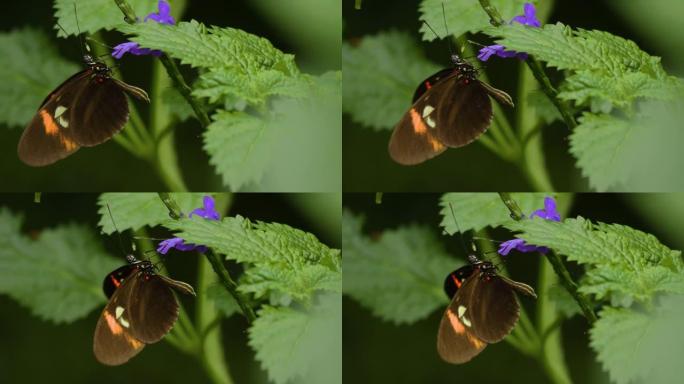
[
  {"x": 94, "y": 15},
  {"x": 177, "y": 105},
  {"x": 376, "y": 93},
  {"x": 543, "y": 107},
  {"x": 275, "y": 151},
  {"x": 621, "y": 90},
  {"x": 598, "y": 143},
  {"x": 31, "y": 69},
  {"x": 136, "y": 210},
  {"x": 462, "y": 16},
  {"x": 563, "y": 301},
  {"x": 564, "y": 48},
  {"x": 300, "y": 346},
  {"x": 475, "y": 211},
  {"x": 59, "y": 275},
  {"x": 239, "y": 146},
  {"x": 622, "y": 153},
  {"x": 399, "y": 276},
  {"x": 220, "y": 84},
  {"x": 223, "y": 300},
  {"x": 622, "y": 264},
  {"x": 279, "y": 257},
  {"x": 238, "y": 63},
  {"x": 642, "y": 346}
]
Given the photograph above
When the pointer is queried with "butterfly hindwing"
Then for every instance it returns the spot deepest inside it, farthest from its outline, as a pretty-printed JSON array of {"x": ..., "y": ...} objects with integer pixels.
[
  {"x": 153, "y": 308},
  {"x": 114, "y": 343},
  {"x": 495, "y": 311},
  {"x": 462, "y": 113}
]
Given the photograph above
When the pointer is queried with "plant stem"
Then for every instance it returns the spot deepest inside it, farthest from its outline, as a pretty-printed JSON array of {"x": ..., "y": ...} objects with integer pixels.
[
  {"x": 216, "y": 263},
  {"x": 229, "y": 284},
  {"x": 532, "y": 150},
  {"x": 558, "y": 266},
  {"x": 537, "y": 70},
  {"x": 206, "y": 315}
]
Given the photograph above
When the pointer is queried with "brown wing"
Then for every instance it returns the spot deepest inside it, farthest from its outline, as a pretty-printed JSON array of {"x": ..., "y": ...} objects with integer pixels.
[
  {"x": 153, "y": 309},
  {"x": 456, "y": 342},
  {"x": 493, "y": 309},
  {"x": 49, "y": 136},
  {"x": 414, "y": 138},
  {"x": 99, "y": 111},
  {"x": 462, "y": 113},
  {"x": 114, "y": 344}
]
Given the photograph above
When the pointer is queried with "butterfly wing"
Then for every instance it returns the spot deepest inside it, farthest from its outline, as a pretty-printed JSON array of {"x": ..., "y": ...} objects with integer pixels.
[
  {"x": 414, "y": 138},
  {"x": 114, "y": 343},
  {"x": 456, "y": 341},
  {"x": 86, "y": 110},
  {"x": 462, "y": 111},
  {"x": 496, "y": 311},
  {"x": 153, "y": 308},
  {"x": 48, "y": 138}
]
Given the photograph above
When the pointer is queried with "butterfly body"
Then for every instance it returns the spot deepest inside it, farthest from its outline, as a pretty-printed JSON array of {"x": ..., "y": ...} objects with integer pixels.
[
  {"x": 483, "y": 310},
  {"x": 141, "y": 310},
  {"x": 451, "y": 108},
  {"x": 85, "y": 110}
]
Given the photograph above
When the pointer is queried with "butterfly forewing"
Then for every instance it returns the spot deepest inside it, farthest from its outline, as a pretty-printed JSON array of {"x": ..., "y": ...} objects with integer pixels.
[
  {"x": 115, "y": 279},
  {"x": 430, "y": 82},
  {"x": 114, "y": 344}
]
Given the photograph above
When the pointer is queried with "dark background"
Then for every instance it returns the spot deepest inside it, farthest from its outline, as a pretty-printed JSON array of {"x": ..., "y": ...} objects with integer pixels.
[
  {"x": 109, "y": 167},
  {"x": 376, "y": 351},
  {"x": 368, "y": 167},
  {"x": 37, "y": 351}
]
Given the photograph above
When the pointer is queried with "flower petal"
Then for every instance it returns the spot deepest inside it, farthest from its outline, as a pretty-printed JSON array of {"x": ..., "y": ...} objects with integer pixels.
[
  {"x": 208, "y": 211},
  {"x": 163, "y": 16}
]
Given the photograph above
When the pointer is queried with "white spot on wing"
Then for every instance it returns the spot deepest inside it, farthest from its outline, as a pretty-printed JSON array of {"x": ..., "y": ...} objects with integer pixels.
[
  {"x": 461, "y": 315},
  {"x": 119, "y": 316},
  {"x": 59, "y": 115},
  {"x": 426, "y": 116}
]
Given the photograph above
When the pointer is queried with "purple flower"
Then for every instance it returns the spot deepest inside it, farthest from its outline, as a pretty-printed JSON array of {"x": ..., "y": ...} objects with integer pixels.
[
  {"x": 500, "y": 51},
  {"x": 162, "y": 17},
  {"x": 548, "y": 213},
  {"x": 529, "y": 18},
  {"x": 164, "y": 14},
  {"x": 519, "y": 244},
  {"x": 179, "y": 244},
  {"x": 208, "y": 211},
  {"x": 133, "y": 49}
]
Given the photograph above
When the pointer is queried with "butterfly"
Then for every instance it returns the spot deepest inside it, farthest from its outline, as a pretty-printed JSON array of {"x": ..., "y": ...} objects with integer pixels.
[
  {"x": 141, "y": 310},
  {"x": 85, "y": 110},
  {"x": 483, "y": 310},
  {"x": 451, "y": 108}
]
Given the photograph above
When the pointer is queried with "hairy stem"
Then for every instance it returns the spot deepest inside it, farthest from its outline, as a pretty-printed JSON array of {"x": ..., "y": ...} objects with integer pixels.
[
  {"x": 557, "y": 264},
  {"x": 537, "y": 70}
]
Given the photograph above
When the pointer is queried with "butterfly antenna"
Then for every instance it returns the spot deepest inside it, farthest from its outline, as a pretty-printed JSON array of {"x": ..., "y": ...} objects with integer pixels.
[
  {"x": 460, "y": 236},
  {"x": 80, "y": 37},
  {"x": 446, "y": 28},
  {"x": 123, "y": 250},
  {"x": 429, "y": 27}
]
